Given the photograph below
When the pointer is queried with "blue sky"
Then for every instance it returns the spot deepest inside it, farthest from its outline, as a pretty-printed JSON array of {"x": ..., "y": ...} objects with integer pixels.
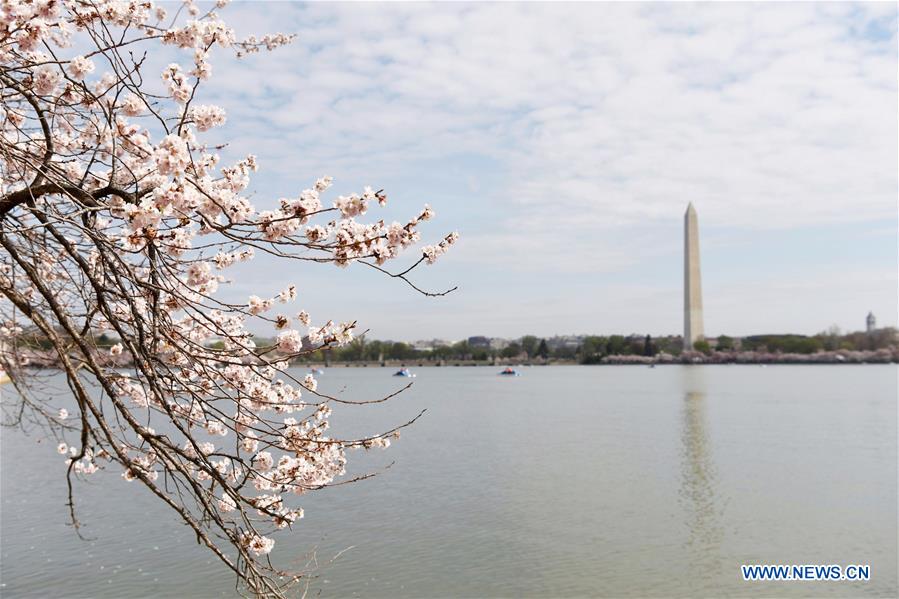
[{"x": 564, "y": 142}]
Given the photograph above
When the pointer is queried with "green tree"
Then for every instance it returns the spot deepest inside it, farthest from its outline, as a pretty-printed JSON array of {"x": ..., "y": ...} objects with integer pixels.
[
  {"x": 443, "y": 352},
  {"x": 511, "y": 350},
  {"x": 352, "y": 352},
  {"x": 616, "y": 345},
  {"x": 461, "y": 350},
  {"x": 400, "y": 351},
  {"x": 529, "y": 344},
  {"x": 593, "y": 349},
  {"x": 667, "y": 344},
  {"x": 565, "y": 353},
  {"x": 648, "y": 347}
]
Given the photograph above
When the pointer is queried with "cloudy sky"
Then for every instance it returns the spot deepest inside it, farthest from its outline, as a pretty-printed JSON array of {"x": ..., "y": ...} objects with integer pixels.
[{"x": 564, "y": 142}]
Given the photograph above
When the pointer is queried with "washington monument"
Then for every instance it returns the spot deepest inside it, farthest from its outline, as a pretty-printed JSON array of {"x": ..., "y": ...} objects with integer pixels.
[{"x": 693, "y": 330}]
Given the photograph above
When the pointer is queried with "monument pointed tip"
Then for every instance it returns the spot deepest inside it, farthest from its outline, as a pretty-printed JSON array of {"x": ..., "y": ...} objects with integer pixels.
[{"x": 690, "y": 208}]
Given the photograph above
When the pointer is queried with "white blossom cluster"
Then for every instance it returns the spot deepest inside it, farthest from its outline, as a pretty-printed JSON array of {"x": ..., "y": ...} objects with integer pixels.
[{"x": 124, "y": 222}]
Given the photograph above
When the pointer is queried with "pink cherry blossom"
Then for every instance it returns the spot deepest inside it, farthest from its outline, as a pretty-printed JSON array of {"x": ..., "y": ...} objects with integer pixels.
[{"x": 122, "y": 220}]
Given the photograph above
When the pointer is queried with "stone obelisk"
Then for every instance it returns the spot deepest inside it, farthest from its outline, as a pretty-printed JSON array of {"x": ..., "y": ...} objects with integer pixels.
[{"x": 693, "y": 330}]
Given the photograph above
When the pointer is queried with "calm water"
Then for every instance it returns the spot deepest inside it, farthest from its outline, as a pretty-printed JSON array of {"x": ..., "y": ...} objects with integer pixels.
[{"x": 566, "y": 481}]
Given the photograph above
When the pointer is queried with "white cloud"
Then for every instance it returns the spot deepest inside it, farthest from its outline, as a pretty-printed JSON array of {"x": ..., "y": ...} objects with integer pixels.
[
  {"x": 765, "y": 115},
  {"x": 584, "y": 128}
]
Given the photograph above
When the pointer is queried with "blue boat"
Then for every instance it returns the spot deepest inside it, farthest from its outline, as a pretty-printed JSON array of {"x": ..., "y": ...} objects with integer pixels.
[
  {"x": 404, "y": 372},
  {"x": 509, "y": 372}
]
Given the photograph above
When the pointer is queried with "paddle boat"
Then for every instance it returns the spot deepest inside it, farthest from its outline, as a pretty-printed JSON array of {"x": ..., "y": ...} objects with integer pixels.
[
  {"x": 403, "y": 372},
  {"x": 315, "y": 370},
  {"x": 509, "y": 372}
]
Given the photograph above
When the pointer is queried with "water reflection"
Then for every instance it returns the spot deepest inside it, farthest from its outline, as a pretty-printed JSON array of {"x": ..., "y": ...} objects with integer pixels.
[
  {"x": 698, "y": 490},
  {"x": 569, "y": 515}
]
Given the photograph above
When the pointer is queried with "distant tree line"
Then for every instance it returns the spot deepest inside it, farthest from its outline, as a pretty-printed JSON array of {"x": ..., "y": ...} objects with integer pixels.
[
  {"x": 590, "y": 349},
  {"x": 826, "y": 341}
]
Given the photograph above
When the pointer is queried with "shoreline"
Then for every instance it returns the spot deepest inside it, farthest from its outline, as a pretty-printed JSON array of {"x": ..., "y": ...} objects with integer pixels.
[
  {"x": 41, "y": 360},
  {"x": 410, "y": 364}
]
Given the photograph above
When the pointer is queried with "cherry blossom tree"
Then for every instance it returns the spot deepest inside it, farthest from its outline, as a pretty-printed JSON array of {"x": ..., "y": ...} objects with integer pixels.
[{"x": 117, "y": 218}]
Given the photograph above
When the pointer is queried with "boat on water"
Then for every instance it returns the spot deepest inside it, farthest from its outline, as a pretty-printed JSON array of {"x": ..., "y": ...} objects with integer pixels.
[
  {"x": 404, "y": 372},
  {"x": 314, "y": 370},
  {"x": 509, "y": 372}
]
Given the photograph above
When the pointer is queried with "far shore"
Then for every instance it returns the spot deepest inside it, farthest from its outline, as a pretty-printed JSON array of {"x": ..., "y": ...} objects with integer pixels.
[
  {"x": 455, "y": 364},
  {"x": 623, "y": 360},
  {"x": 40, "y": 360},
  {"x": 45, "y": 359}
]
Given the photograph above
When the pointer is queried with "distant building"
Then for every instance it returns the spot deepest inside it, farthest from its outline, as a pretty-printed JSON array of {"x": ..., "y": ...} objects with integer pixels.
[
  {"x": 564, "y": 341},
  {"x": 479, "y": 341},
  {"x": 871, "y": 322},
  {"x": 498, "y": 344},
  {"x": 430, "y": 345}
]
